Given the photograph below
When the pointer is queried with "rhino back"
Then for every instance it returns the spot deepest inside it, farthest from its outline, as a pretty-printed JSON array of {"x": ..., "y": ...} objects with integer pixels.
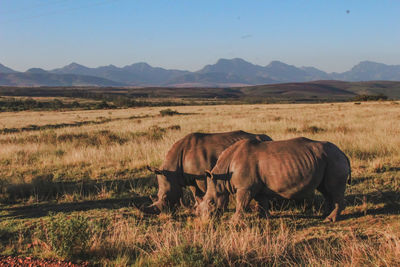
[
  {"x": 201, "y": 151},
  {"x": 289, "y": 168},
  {"x": 196, "y": 152}
]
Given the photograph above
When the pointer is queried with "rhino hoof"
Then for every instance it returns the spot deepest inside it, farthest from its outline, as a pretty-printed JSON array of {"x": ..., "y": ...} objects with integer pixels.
[{"x": 329, "y": 219}]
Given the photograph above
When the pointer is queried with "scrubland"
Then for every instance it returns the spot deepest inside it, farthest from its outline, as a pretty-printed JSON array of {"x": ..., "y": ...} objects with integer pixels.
[{"x": 68, "y": 181}]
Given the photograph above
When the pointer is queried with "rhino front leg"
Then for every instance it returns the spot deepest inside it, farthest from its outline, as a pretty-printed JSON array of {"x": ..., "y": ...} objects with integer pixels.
[
  {"x": 263, "y": 205},
  {"x": 197, "y": 193},
  {"x": 243, "y": 198}
]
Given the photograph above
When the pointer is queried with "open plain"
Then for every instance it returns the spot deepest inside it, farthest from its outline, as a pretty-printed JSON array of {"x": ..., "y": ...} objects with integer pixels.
[{"x": 69, "y": 179}]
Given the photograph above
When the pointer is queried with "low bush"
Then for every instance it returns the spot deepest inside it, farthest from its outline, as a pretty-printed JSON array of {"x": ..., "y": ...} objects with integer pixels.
[
  {"x": 155, "y": 133},
  {"x": 188, "y": 255},
  {"x": 312, "y": 129},
  {"x": 168, "y": 112},
  {"x": 174, "y": 127},
  {"x": 67, "y": 236},
  {"x": 370, "y": 97},
  {"x": 291, "y": 130}
]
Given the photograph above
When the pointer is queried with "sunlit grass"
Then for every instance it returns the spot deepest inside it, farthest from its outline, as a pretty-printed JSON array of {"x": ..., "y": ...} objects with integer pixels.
[{"x": 98, "y": 170}]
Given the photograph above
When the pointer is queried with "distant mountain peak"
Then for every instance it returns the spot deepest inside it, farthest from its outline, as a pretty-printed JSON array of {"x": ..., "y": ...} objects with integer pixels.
[
  {"x": 277, "y": 63},
  {"x": 236, "y": 66},
  {"x": 223, "y": 72},
  {"x": 108, "y": 67},
  {"x": 232, "y": 60},
  {"x": 74, "y": 65},
  {"x": 4, "y": 69},
  {"x": 141, "y": 67},
  {"x": 36, "y": 70},
  {"x": 369, "y": 64},
  {"x": 141, "y": 64}
]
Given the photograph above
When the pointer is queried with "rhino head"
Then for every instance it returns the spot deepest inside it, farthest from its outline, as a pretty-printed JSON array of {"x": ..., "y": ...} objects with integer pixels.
[
  {"x": 216, "y": 198},
  {"x": 169, "y": 191}
]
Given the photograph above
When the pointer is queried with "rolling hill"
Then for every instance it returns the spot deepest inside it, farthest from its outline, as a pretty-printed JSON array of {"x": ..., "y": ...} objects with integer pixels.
[
  {"x": 307, "y": 91},
  {"x": 37, "y": 78}
]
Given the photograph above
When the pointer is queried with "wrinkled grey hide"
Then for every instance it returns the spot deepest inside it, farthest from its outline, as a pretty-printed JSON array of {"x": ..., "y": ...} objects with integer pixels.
[
  {"x": 291, "y": 169},
  {"x": 185, "y": 163}
]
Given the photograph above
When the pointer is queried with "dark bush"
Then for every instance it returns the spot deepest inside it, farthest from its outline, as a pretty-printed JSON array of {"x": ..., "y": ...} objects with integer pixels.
[
  {"x": 370, "y": 97},
  {"x": 168, "y": 112},
  {"x": 312, "y": 129},
  {"x": 291, "y": 130},
  {"x": 174, "y": 127}
]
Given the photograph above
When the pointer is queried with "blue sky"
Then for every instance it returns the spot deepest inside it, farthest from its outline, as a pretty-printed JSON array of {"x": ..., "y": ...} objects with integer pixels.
[{"x": 331, "y": 35}]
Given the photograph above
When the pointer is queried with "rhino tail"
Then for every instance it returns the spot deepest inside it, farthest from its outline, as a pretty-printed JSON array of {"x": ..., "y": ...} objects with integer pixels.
[{"x": 349, "y": 179}]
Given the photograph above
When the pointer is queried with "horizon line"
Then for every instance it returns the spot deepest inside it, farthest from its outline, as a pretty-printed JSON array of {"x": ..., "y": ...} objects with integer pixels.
[{"x": 154, "y": 66}]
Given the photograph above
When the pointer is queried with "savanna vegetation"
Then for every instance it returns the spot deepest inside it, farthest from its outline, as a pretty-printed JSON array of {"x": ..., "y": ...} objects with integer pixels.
[
  {"x": 89, "y": 98},
  {"x": 69, "y": 179}
]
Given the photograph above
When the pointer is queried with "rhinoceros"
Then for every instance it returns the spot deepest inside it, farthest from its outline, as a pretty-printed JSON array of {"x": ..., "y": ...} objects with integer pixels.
[
  {"x": 186, "y": 162},
  {"x": 291, "y": 169}
]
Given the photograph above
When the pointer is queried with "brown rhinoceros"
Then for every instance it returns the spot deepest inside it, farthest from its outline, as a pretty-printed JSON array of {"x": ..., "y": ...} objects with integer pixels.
[
  {"x": 291, "y": 169},
  {"x": 186, "y": 163}
]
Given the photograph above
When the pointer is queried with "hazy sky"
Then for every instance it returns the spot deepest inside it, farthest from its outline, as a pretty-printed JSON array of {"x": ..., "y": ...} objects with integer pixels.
[{"x": 331, "y": 35}]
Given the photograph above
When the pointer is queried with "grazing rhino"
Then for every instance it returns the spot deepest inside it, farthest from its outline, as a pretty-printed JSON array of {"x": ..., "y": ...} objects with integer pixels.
[
  {"x": 186, "y": 162},
  {"x": 291, "y": 169}
]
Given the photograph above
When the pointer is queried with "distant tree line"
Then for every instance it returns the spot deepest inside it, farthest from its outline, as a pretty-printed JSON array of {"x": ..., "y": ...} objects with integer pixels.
[
  {"x": 15, "y": 104},
  {"x": 110, "y": 98},
  {"x": 19, "y": 104},
  {"x": 370, "y": 97}
]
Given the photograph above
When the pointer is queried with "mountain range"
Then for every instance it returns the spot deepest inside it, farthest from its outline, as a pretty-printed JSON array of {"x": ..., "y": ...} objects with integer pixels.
[{"x": 224, "y": 73}]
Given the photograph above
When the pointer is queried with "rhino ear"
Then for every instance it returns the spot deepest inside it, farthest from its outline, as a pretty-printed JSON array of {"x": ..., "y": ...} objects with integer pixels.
[
  {"x": 155, "y": 170},
  {"x": 209, "y": 174}
]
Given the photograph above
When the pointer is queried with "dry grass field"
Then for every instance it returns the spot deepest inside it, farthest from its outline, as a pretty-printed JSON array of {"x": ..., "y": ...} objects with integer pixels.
[{"x": 67, "y": 191}]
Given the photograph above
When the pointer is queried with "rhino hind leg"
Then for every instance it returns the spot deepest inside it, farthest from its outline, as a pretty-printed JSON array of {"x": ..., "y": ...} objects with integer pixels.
[
  {"x": 334, "y": 182},
  {"x": 262, "y": 205},
  {"x": 328, "y": 207},
  {"x": 338, "y": 207},
  {"x": 334, "y": 199},
  {"x": 333, "y": 189}
]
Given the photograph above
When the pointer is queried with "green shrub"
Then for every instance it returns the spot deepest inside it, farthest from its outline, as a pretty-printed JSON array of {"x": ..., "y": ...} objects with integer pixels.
[
  {"x": 66, "y": 235},
  {"x": 189, "y": 255},
  {"x": 156, "y": 133},
  {"x": 102, "y": 105}
]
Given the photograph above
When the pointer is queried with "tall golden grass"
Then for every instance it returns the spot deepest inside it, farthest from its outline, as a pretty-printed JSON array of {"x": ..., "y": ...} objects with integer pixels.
[{"x": 117, "y": 149}]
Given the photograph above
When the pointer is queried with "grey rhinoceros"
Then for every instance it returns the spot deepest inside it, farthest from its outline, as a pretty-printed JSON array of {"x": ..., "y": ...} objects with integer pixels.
[
  {"x": 291, "y": 169},
  {"x": 186, "y": 162}
]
